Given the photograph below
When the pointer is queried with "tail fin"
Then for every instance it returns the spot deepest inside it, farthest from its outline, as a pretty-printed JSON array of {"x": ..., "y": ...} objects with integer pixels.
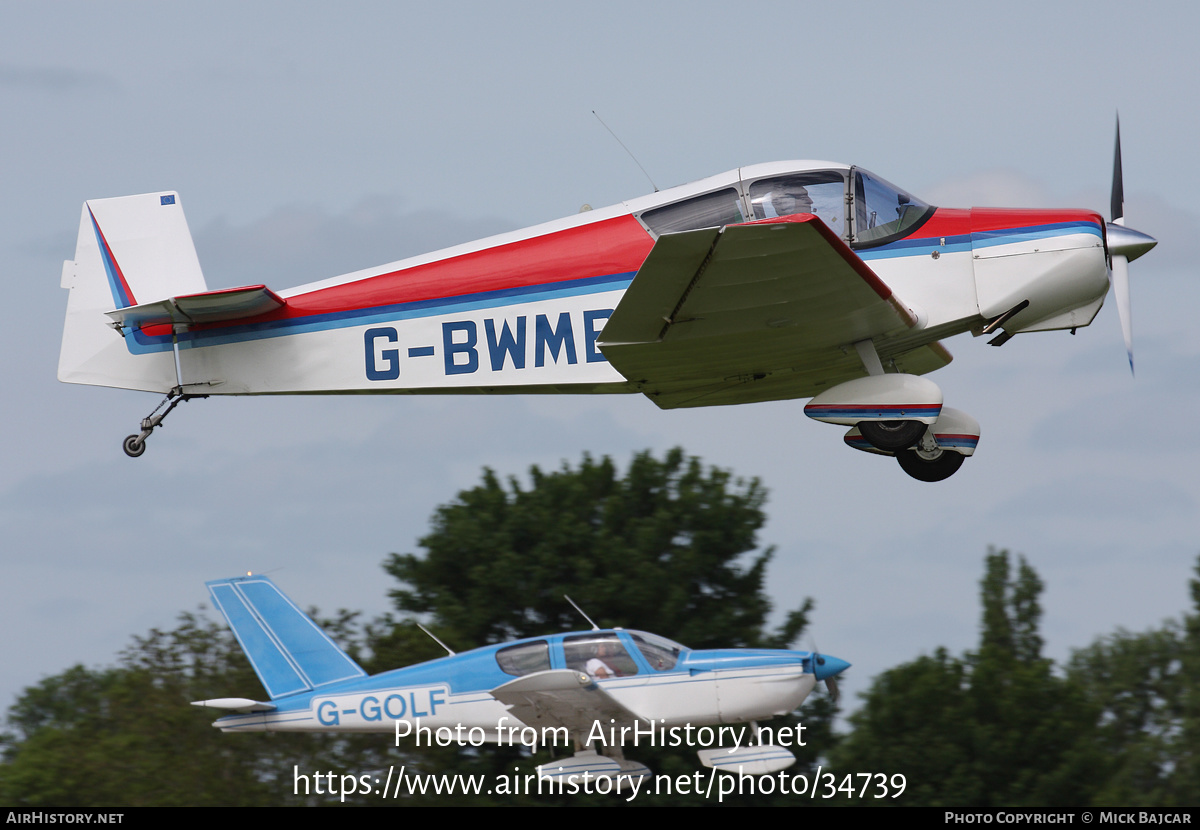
[
  {"x": 287, "y": 649},
  {"x": 131, "y": 250}
]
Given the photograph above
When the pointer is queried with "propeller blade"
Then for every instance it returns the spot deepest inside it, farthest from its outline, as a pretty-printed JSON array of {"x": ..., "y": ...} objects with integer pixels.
[
  {"x": 1119, "y": 277},
  {"x": 1117, "y": 202},
  {"x": 832, "y": 685}
]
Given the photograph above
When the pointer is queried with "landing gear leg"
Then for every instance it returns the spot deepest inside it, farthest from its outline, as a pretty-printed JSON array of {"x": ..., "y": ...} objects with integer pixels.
[{"x": 135, "y": 445}]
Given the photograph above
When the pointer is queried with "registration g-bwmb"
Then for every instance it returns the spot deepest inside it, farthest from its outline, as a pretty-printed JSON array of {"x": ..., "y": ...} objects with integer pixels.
[{"x": 770, "y": 282}]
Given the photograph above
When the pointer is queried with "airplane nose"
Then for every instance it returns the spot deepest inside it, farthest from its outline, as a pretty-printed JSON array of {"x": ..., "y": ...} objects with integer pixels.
[
  {"x": 826, "y": 666},
  {"x": 1127, "y": 242}
]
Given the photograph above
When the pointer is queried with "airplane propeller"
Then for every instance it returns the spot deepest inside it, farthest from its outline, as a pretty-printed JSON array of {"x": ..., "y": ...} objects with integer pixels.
[
  {"x": 827, "y": 668},
  {"x": 1124, "y": 246}
]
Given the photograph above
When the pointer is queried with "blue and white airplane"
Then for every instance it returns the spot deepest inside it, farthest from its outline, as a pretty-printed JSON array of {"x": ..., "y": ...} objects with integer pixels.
[
  {"x": 803, "y": 279},
  {"x": 597, "y": 691}
]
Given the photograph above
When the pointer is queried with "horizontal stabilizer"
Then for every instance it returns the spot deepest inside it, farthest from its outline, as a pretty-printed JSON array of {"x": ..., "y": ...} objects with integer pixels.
[
  {"x": 208, "y": 307},
  {"x": 235, "y": 704},
  {"x": 290, "y": 653}
]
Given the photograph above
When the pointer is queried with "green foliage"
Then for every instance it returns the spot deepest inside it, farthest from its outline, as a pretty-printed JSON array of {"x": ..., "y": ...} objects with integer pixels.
[
  {"x": 1135, "y": 683},
  {"x": 669, "y": 547},
  {"x": 126, "y": 736},
  {"x": 1146, "y": 688},
  {"x": 999, "y": 728},
  {"x": 996, "y": 728},
  {"x": 659, "y": 549}
]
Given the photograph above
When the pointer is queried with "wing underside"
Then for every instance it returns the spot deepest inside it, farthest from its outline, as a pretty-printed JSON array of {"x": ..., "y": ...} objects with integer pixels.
[
  {"x": 562, "y": 698},
  {"x": 756, "y": 312}
]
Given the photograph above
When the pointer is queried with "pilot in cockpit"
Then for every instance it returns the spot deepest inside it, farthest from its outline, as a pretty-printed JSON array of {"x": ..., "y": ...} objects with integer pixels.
[
  {"x": 794, "y": 199},
  {"x": 600, "y": 666}
]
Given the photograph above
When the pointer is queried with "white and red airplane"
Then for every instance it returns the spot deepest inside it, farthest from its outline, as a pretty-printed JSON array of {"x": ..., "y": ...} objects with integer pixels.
[{"x": 771, "y": 282}]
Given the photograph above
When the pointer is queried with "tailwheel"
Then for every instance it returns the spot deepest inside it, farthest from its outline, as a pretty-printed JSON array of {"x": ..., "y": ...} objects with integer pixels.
[
  {"x": 134, "y": 445},
  {"x": 935, "y": 464}
]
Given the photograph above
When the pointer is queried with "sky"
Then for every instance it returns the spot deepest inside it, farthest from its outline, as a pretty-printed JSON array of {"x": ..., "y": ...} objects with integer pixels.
[{"x": 308, "y": 140}]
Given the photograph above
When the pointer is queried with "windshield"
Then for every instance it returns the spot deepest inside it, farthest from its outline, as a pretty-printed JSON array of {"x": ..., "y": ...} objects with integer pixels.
[
  {"x": 660, "y": 653},
  {"x": 883, "y": 212}
]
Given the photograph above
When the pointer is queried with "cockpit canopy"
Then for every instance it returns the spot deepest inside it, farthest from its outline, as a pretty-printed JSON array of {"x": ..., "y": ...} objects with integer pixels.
[
  {"x": 860, "y": 207},
  {"x": 600, "y": 654}
]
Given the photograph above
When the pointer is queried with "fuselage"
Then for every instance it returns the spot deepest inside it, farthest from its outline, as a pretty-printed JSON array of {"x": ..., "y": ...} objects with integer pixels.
[
  {"x": 660, "y": 682},
  {"x": 524, "y": 311}
]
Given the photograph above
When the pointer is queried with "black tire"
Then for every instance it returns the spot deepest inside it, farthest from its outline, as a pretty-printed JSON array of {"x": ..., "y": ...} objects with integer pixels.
[
  {"x": 923, "y": 468},
  {"x": 133, "y": 445},
  {"x": 891, "y": 436}
]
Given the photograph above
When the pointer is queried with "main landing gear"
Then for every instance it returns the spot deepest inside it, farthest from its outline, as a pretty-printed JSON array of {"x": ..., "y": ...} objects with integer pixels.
[
  {"x": 929, "y": 462},
  {"x": 899, "y": 415},
  {"x": 135, "y": 445},
  {"x": 891, "y": 436},
  {"x": 936, "y": 455}
]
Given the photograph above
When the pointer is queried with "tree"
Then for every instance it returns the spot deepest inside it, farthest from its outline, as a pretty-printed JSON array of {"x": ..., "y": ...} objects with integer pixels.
[
  {"x": 1146, "y": 689},
  {"x": 669, "y": 547},
  {"x": 126, "y": 736},
  {"x": 660, "y": 549},
  {"x": 996, "y": 728}
]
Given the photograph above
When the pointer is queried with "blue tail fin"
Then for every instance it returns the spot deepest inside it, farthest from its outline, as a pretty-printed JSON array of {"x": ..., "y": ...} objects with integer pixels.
[{"x": 287, "y": 649}]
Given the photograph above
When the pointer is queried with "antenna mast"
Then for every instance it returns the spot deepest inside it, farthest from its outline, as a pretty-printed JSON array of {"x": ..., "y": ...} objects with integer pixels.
[
  {"x": 652, "y": 184},
  {"x": 580, "y": 610}
]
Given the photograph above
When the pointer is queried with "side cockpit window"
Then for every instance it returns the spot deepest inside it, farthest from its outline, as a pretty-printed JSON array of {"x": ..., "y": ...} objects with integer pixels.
[
  {"x": 524, "y": 658},
  {"x": 600, "y": 655},
  {"x": 712, "y": 210},
  {"x": 820, "y": 192}
]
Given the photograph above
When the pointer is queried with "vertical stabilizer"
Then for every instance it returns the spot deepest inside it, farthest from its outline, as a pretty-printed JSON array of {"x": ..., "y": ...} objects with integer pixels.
[
  {"x": 130, "y": 250},
  {"x": 290, "y": 653}
]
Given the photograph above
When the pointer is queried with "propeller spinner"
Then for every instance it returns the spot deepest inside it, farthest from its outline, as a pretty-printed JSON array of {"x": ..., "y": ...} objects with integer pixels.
[{"x": 826, "y": 667}]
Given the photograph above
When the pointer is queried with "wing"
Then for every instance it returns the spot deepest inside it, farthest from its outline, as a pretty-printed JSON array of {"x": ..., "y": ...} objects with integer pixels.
[
  {"x": 762, "y": 311},
  {"x": 562, "y": 697}
]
